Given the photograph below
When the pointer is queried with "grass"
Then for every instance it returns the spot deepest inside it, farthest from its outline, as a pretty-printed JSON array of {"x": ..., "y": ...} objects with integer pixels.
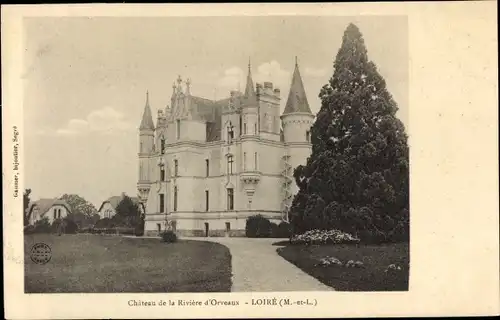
[
  {"x": 376, "y": 259},
  {"x": 100, "y": 264}
]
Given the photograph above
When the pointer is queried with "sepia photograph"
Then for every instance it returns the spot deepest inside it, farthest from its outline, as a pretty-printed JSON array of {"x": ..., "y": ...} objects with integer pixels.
[{"x": 216, "y": 154}]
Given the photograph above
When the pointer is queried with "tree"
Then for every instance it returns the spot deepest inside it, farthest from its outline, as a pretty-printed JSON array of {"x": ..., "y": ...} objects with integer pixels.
[
  {"x": 357, "y": 177},
  {"x": 82, "y": 211},
  {"x": 127, "y": 213},
  {"x": 26, "y": 203}
]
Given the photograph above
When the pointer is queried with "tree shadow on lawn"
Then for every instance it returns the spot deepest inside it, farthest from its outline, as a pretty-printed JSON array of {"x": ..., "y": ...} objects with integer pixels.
[{"x": 371, "y": 277}]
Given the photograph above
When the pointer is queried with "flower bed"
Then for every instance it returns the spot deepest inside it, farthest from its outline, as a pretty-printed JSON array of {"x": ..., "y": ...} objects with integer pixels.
[{"x": 324, "y": 237}]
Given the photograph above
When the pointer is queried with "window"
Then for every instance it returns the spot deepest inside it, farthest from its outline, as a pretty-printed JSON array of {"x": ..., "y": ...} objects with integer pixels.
[
  {"x": 162, "y": 202},
  {"x": 178, "y": 128},
  {"x": 256, "y": 160},
  {"x": 158, "y": 226},
  {"x": 162, "y": 150},
  {"x": 241, "y": 123},
  {"x": 59, "y": 213},
  {"x": 176, "y": 168},
  {"x": 162, "y": 173},
  {"x": 175, "y": 198},
  {"x": 228, "y": 226},
  {"x": 207, "y": 167},
  {"x": 141, "y": 147},
  {"x": 230, "y": 164},
  {"x": 244, "y": 161},
  {"x": 255, "y": 128},
  {"x": 245, "y": 128},
  {"x": 207, "y": 197},
  {"x": 230, "y": 133},
  {"x": 308, "y": 136},
  {"x": 55, "y": 214},
  {"x": 230, "y": 199}
]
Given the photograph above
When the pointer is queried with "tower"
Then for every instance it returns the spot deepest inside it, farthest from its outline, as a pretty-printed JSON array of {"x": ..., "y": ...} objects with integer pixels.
[
  {"x": 297, "y": 120},
  {"x": 146, "y": 151},
  {"x": 250, "y": 173}
]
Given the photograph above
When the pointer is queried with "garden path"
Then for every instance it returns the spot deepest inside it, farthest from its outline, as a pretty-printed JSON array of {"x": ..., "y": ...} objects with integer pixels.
[{"x": 257, "y": 267}]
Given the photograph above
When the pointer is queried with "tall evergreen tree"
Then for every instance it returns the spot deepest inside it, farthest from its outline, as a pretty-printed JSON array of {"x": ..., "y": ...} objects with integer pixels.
[
  {"x": 357, "y": 177},
  {"x": 127, "y": 213}
]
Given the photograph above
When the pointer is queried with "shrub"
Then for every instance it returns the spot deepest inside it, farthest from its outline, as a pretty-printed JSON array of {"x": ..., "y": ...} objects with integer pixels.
[
  {"x": 169, "y": 236},
  {"x": 104, "y": 223},
  {"x": 40, "y": 226},
  {"x": 258, "y": 227},
  {"x": 281, "y": 230},
  {"x": 70, "y": 226},
  {"x": 65, "y": 225},
  {"x": 139, "y": 232},
  {"x": 86, "y": 230},
  {"x": 324, "y": 237},
  {"x": 29, "y": 229}
]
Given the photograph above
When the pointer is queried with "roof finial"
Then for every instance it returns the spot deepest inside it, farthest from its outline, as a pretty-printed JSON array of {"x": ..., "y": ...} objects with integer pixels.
[
  {"x": 249, "y": 64},
  {"x": 147, "y": 96},
  {"x": 296, "y": 63}
]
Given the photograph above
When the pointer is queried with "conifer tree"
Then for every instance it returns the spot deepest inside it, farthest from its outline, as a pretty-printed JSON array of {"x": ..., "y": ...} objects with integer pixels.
[
  {"x": 127, "y": 213},
  {"x": 357, "y": 177}
]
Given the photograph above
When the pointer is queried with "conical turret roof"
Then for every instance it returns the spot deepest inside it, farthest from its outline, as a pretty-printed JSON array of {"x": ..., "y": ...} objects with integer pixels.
[
  {"x": 147, "y": 117},
  {"x": 297, "y": 99},
  {"x": 250, "y": 96}
]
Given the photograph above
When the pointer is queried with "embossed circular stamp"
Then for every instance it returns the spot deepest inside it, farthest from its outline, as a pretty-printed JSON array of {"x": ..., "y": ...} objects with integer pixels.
[{"x": 40, "y": 253}]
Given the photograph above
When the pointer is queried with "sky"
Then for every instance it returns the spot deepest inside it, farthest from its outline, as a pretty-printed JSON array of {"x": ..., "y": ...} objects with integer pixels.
[{"x": 85, "y": 82}]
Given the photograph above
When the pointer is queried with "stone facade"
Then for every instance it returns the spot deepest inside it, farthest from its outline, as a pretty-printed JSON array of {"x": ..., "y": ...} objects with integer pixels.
[{"x": 208, "y": 165}]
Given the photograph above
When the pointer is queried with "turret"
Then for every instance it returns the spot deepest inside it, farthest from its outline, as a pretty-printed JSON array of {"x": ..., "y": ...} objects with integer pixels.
[
  {"x": 146, "y": 130},
  {"x": 297, "y": 120},
  {"x": 297, "y": 117},
  {"x": 250, "y": 108},
  {"x": 146, "y": 150}
]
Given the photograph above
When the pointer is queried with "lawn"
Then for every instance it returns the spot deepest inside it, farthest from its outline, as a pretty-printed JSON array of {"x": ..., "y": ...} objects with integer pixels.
[
  {"x": 372, "y": 277},
  {"x": 95, "y": 263}
]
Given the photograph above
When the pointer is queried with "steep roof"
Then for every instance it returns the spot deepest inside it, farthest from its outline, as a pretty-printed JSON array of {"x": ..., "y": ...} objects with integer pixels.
[
  {"x": 114, "y": 201},
  {"x": 250, "y": 96},
  {"x": 297, "y": 99},
  {"x": 211, "y": 112},
  {"x": 147, "y": 117},
  {"x": 44, "y": 205}
]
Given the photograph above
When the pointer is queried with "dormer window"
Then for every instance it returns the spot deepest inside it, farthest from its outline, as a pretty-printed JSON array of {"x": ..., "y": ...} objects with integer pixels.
[
  {"x": 162, "y": 173},
  {"x": 162, "y": 142},
  {"x": 308, "y": 136},
  {"x": 230, "y": 133}
]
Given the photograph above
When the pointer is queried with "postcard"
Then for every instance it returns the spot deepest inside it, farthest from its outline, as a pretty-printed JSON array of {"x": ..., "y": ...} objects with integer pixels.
[{"x": 250, "y": 160}]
